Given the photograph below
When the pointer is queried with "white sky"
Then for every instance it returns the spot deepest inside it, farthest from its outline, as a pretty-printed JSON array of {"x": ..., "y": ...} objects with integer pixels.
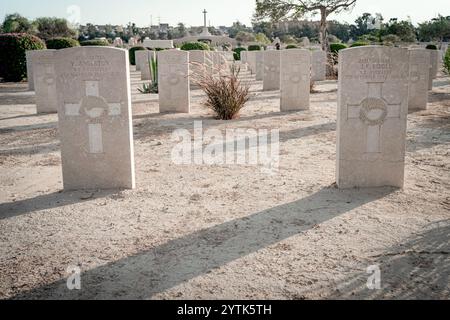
[{"x": 221, "y": 12}]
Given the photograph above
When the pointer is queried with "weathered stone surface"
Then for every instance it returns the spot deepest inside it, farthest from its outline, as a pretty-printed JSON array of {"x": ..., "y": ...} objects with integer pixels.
[
  {"x": 319, "y": 65},
  {"x": 95, "y": 119},
  {"x": 419, "y": 75},
  {"x": 259, "y": 65},
  {"x": 44, "y": 79},
  {"x": 30, "y": 76},
  {"x": 173, "y": 73},
  {"x": 140, "y": 56},
  {"x": 271, "y": 79},
  {"x": 434, "y": 67},
  {"x": 372, "y": 114},
  {"x": 197, "y": 66},
  {"x": 295, "y": 79},
  {"x": 146, "y": 71},
  {"x": 251, "y": 61}
]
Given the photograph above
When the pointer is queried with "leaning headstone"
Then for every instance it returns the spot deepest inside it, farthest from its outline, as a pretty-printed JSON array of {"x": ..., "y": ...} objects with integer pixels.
[
  {"x": 419, "y": 74},
  {"x": 140, "y": 57},
  {"x": 146, "y": 65},
  {"x": 319, "y": 65},
  {"x": 45, "y": 81},
  {"x": 295, "y": 79},
  {"x": 372, "y": 114},
  {"x": 271, "y": 77},
  {"x": 259, "y": 64},
  {"x": 95, "y": 120},
  {"x": 251, "y": 61},
  {"x": 173, "y": 84},
  {"x": 434, "y": 67}
]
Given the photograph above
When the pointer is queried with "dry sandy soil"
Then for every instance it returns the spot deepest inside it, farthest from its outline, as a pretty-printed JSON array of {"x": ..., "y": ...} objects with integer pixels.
[{"x": 224, "y": 231}]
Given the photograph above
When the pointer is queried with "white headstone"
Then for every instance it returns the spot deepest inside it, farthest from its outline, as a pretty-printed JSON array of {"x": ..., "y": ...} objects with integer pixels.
[
  {"x": 259, "y": 64},
  {"x": 197, "y": 65},
  {"x": 45, "y": 81},
  {"x": 295, "y": 79},
  {"x": 434, "y": 67},
  {"x": 251, "y": 61},
  {"x": 419, "y": 74},
  {"x": 140, "y": 56},
  {"x": 319, "y": 65},
  {"x": 372, "y": 114},
  {"x": 146, "y": 65},
  {"x": 173, "y": 84},
  {"x": 95, "y": 120},
  {"x": 30, "y": 76},
  {"x": 271, "y": 78}
]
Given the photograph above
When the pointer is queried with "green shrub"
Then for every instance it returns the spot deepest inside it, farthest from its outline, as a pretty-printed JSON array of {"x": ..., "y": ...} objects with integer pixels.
[
  {"x": 291, "y": 46},
  {"x": 98, "y": 43},
  {"x": 61, "y": 43},
  {"x": 237, "y": 53},
  {"x": 188, "y": 46},
  {"x": 254, "y": 47},
  {"x": 432, "y": 47},
  {"x": 13, "y": 48},
  {"x": 336, "y": 47},
  {"x": 447, "y": 62},
  {"x": 132, "y": 54},
  {"x": 359, "y": 44}
]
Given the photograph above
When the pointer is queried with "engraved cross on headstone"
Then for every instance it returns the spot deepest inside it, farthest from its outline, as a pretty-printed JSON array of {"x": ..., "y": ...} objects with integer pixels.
[
  {"x": 373, "y": 111},
  {"x": 95, "y": 108},
  {"x": 295, "y": 77}
]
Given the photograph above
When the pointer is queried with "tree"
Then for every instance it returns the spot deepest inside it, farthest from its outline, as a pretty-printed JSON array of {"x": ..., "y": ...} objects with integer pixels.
[
  {"x": 438, "y": 29},
  {"x": 236, "y": 28},
  {"x": 15, "y": 23},
  {"x": 243, "y": 37},
  {"x": 403, "y": 29},
  {"x": 276, "y": 10},
  {"x": 262, "y": 38},
  {"x": 53, "y": 27}
]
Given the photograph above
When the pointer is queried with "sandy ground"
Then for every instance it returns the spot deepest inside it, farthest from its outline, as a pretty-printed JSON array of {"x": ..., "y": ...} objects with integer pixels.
[{"x": 224, "y": 231}]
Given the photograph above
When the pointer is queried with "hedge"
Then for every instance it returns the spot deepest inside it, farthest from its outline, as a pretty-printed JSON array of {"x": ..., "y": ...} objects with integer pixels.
[
  {"x": 447, "y": 61},
  {"x": 432, "y": 47},
  {"x": 188, "y": 46},
  {"x": 13, "y": 48},
  {"x": 132, "y": 54},
  {"x": 336, "y": 47},
  {"x": 237, "y": 53},
  {"x": 61, "y": 43},
  {"x": 100, "y": 43},
  {"x": 254, "y": 47},
  {"x": 359, "y": 44},
  {"x": 291, "y": 46}
]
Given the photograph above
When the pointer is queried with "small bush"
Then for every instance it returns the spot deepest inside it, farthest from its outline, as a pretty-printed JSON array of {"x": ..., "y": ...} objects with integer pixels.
[
  {"x": 61, "y": 43},
  {"x": 237, "y": 53},
  {"x": 151, "y": 87},
  {"x": 13, "y": 48},
  {"x": 254, "y": 47},
  {"x": 359, "y": 44},
  {"x": 226, "y": 95},
  {"x": 447, "y": 62},
  {"x": 432, "y": 47},
  {"x": 291, "y": 46},
  {"x": 95, "y": 43},
  {"x": 391, "y": 39},
  {"x": 132, "y": 54},
  {"x": 336, "y": 47},
  {"x": 195, "y": 46}
]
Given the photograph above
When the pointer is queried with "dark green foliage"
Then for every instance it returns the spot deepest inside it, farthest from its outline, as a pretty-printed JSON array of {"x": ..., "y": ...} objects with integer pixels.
[
  {"x": 359, "y": 44},
  {"x": 132, "y": 54},
  {"x": 447, "y": 62},
  {"x": 254, "y": 47},
  {"x": 432, "y": 47},
  {"x": 13, "y": 48},
  {"x": 195, "y": 46},
  {"x": 61, "y": 43},
  {"x": 237, "y": 53},
  {"x": 291, "y": 46},
  {"x": 336, "y": 47},
  {"x": 100, "y": 43}
]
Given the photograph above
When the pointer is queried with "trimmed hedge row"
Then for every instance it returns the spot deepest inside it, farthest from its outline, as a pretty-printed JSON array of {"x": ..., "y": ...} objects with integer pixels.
[
  {"x": 188, "y": 46},
  {"x": 237, "y": 53},
  {"x": 61, "y": 43},
  {"x": 100, "y": 43},
  {"x": 13, "y": 48},
  {"x": 254, "y": 47},
  {"x": 132, "y": 54},
  {"x": 336, "y": 47}
]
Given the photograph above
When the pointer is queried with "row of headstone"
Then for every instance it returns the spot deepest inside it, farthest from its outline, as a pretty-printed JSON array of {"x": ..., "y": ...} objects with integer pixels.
[{"x": 93, "y": 101}]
